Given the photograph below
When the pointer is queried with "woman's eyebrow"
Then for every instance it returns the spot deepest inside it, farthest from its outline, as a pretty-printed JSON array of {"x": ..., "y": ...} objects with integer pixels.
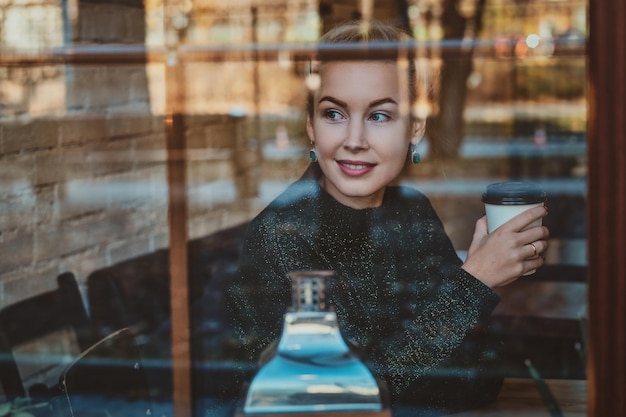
[
  {"x": 382, "y": 101},
  {"x": 334, "y": 100},
  {"x": 371, "y": 104}
]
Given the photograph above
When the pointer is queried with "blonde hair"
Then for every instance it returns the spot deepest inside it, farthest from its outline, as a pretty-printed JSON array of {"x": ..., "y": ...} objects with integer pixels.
[
  {"x": 358, "y": 31},
  {"x": 383, "y": 41}
]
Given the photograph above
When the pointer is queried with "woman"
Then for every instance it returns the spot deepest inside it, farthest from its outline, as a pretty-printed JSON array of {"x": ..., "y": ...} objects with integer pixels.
[{"x": 404, "y": 300}]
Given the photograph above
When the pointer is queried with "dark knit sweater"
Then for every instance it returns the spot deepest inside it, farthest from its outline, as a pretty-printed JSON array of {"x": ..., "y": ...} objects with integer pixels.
[{"x": 402, "y": 299}]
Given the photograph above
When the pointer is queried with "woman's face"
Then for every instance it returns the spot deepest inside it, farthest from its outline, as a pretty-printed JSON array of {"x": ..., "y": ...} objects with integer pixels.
[{"x": 361, "y": 130}]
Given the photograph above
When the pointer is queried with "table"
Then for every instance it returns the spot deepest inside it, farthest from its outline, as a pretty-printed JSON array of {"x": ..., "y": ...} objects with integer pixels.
[
  {"x": 519, "y": 397},
  {"x": 384, "y": 413}
]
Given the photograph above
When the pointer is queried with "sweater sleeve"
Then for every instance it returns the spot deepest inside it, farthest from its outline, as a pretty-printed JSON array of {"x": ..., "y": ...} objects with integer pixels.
[
  {"x": 433, "y": 338},
  {"x": 441, "y": 357}
]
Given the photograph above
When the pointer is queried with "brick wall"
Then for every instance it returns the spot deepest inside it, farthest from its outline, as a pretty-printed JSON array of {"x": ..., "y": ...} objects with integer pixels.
[
  {"x": 83, "y": 184},
  {"x": 75, "y": 196}
]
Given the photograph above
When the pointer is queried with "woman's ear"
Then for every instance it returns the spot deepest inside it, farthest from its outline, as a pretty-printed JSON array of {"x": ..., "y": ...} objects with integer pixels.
[
  {"x": 309, "y": 129},
  {"x": 417, "y": 131}
]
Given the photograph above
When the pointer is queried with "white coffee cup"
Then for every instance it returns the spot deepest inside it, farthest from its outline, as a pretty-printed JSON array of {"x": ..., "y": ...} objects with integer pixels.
[{"x": 505, "y": 200}]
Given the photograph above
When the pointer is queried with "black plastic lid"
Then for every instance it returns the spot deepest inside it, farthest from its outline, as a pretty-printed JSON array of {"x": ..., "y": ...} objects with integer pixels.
[{"x": 514, "y": 193}]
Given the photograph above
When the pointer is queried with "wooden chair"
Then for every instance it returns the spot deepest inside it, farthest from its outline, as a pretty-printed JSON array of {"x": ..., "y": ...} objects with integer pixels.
[{"x": 55, "y": 319}]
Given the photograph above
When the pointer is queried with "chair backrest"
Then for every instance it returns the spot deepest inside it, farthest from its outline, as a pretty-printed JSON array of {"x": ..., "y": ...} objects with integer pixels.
[
  {"x": 135, "y": 293},
  {"x": 108, "y": 379},
  {"x": 40, "y": 335}
]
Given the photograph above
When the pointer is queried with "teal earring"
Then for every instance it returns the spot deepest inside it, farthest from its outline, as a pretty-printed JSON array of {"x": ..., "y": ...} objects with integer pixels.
[
  {"x": 312, "y": 155},
  {"x": 415, "y": 156}
]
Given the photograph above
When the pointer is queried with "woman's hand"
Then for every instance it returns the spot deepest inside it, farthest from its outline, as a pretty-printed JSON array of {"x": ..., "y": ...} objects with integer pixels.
[{"x": 508, "y": 252}]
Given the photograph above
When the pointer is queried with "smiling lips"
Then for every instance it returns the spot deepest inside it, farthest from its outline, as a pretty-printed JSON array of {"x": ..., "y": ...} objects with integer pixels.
[{"x": 355, "y": 168}]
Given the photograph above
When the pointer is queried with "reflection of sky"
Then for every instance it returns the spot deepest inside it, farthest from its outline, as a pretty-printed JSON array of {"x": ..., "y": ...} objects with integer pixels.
[
  {"x": 312, "y": 335},
  {"x": 286, "y": 385},
  {"x": 313, "y": 370}
]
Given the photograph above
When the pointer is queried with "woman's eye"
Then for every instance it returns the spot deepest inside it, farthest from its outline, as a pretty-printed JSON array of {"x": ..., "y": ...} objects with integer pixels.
[
  {"x": 379, "y": 117},
  {"x": 332, "y": 115}
]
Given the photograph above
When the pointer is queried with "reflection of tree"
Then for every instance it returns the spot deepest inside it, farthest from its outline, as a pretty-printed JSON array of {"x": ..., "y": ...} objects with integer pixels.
[{"x": 445, "y": 128}]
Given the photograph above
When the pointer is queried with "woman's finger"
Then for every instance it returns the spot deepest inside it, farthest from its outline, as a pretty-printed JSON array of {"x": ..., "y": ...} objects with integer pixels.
[
  {"x": 534, "y": 250},
  {"x": 534, "y": 233},
  {"x": 525, "y": 219}
]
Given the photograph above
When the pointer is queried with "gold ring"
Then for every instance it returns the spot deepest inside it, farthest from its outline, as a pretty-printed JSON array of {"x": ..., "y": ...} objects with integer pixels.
[{"x": 534, "y": 249}]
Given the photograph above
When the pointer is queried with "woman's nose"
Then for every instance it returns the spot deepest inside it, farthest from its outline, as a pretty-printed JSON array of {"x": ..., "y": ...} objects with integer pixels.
[{"x": 355, "y": 136}]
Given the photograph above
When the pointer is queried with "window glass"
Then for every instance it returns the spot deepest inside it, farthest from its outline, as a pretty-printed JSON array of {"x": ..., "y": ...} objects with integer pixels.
[{"x": 117, "y": 119}]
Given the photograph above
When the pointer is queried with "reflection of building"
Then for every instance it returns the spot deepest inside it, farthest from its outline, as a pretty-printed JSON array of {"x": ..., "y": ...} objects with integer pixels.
[
  {"x": 43, "y": 24},
  {"x": 72, "y": 138},
  {"x": 213, "y": 22},
  {"x": 30, "y": 27},
  {"x": 524, "y": 37},
  {"x": 85, "y": 186}
]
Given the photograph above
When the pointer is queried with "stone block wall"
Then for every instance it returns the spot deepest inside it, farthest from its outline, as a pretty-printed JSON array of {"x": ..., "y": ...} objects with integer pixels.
[
  {"x": 79, "y": 193},
  {"x": 83, "y": 176}
]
